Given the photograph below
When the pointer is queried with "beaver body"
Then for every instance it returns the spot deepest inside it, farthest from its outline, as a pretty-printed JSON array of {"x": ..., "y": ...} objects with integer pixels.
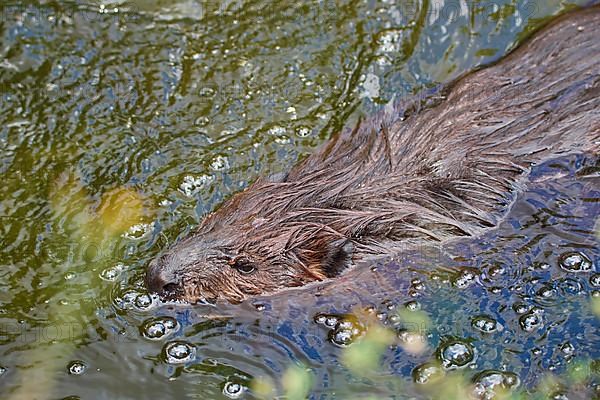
[{"x": 420, "y": 172}]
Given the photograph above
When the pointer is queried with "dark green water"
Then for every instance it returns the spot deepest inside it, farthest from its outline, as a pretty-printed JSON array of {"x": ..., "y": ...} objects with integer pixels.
[{"x": 122, "y": 124}]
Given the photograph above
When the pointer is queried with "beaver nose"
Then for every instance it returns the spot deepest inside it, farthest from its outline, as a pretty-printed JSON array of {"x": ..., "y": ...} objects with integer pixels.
[{"x": 161, "y": 279}]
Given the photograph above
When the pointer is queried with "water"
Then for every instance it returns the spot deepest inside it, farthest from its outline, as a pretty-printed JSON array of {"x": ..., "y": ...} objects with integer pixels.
[{"x": 123, "y": 123}]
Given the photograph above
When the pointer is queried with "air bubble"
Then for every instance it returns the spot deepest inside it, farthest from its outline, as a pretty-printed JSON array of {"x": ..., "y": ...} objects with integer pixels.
[
  {"x": 567, "y": 348},
  {"x": 128, "y": 297},
  {"x": 485, "y": 324},
  {"x": 158, "y": 328},
  {"x": 456, "y": 354},
  {"x": 532, "y": 320},
  {"x": 382, "y": 316},
  {"x": 427, "y": 373},
  {"x": 154, "y": 331},
  {"x": 233, "y": 390},
  {"x": 346, "y": 329},
  {"x": 341, "y": 338},
  {"x": 179, "y": 352},
  {"x": 331, "y": 321},
  {"x": 464, "y": 279},
  {"x": 488, "y": 383},
  {"x": 143, "y": 301},
  {"x": 76, "y": 367},
  {"x": 170, "y": 323},
  {"x": 520, "y": 308},
  {"x": 112, "y": 273},
  {"x": 202, "y": 121},
  {"x": 574, "y": 261},
  {"x": 546, "y": 292},
  {"x": 302, "y": 131},
  {"x": 415, "y": 281},
  {"x": 327, "y": 320},
  {"x": 542, "y": 266},
  {"x": 495, "y": 271}
]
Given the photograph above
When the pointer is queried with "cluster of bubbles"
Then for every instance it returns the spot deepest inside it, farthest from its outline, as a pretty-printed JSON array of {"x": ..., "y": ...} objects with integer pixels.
[
  {"x": 530, "y": 320},
  {"x": 486, "y": 324},
  {"x": 416, "y": 287},
  {"x": 457, "y": 353},
  {"x": 453, "y": 353},
  {"x": 465, "y": 278},
  {"x": 192, "y": 185},
  {"x": 134, "y": 299},
  {"x": 343, "y": 329},
  {"x": 159, "y": 328},
  {"x": 488, "y": 384}
]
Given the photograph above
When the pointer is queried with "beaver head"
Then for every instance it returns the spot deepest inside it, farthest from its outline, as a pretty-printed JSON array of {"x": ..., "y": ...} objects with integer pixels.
[{"x": 256, "y": 243}]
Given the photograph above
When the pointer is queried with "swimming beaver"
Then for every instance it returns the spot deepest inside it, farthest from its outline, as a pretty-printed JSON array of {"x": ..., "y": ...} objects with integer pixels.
[{"x": 421, "y": 173}]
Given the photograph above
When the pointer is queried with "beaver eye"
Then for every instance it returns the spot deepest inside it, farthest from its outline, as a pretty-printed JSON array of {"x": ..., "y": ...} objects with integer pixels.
[{"x": 243, "y": 265}]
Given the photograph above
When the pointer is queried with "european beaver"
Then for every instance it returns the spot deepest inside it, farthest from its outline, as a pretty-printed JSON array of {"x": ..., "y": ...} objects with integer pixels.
[{"x": 425, "y": 172}]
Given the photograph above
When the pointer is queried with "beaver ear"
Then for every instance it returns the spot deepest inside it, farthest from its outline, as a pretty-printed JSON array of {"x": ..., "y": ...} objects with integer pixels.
[{"x": 338, "y": 257}]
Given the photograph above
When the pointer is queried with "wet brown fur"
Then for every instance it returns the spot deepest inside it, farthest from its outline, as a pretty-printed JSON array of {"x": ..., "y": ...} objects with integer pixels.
[{"x": 432, "y": 172}]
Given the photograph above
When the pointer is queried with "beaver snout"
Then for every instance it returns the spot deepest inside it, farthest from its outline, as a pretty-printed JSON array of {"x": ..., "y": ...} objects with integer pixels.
[{"x": 163, "y": 280}]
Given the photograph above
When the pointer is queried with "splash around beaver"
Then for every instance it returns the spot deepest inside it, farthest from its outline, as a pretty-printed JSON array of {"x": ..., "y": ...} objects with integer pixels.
[{"x": 425, "y": 171}]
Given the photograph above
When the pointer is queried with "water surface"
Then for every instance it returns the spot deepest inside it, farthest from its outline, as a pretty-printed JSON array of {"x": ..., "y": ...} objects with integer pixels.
[{"x": 123, "y": 123}]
